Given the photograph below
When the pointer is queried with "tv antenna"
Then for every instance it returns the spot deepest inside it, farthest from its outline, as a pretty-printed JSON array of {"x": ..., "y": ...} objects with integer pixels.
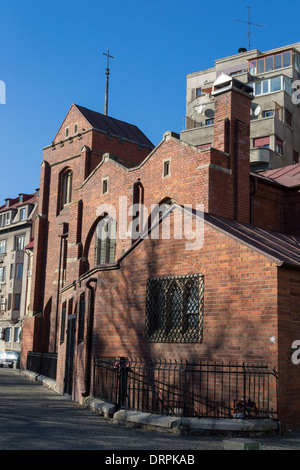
[
  {"x": 107, "y": 80},
  {"x": 249, "y": 26}
]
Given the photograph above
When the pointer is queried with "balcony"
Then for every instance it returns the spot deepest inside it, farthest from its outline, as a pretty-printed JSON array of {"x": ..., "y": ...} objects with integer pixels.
[{"x": 264, "y": 158}]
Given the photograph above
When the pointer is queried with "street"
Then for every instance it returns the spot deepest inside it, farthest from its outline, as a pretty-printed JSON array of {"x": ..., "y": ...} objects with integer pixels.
[{"x": 35, "y": 418}]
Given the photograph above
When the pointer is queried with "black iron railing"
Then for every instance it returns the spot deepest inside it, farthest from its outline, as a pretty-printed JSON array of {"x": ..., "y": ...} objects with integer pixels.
[
  {"x": 43, "y": 364},
  {"x": 34, "y": 361},
  {"x": 199, "y": 389}
]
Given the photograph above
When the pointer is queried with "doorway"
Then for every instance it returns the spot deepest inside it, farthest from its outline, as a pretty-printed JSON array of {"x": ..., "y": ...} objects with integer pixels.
[{"x": 70, "y": 349}]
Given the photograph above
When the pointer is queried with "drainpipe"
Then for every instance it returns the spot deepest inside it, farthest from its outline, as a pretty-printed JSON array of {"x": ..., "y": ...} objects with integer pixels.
[
  {"x": 89, "y": 337},
  {"x": 62, "y": 237}
]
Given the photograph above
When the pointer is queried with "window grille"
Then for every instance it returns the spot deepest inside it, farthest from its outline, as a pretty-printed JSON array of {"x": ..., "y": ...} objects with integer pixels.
[{"x": 175, "y": 309}]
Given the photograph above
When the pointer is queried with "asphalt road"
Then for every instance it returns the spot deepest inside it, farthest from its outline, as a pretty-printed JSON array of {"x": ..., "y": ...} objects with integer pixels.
[{"x": 35, "y": 418}]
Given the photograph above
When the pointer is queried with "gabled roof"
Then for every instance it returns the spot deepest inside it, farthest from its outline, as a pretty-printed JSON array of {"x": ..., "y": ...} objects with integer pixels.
[
  {"x": 15, "y": 203},
  {"x": 288, "y": 176},
  {"x": 115, "y": 127},
  {"x": 281, "y": 248}
]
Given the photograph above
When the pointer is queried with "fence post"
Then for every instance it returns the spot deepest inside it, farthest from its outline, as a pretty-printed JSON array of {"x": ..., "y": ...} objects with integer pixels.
[
  {"x": 123, "y": 373},
  {"x": 244, "y": 376}
]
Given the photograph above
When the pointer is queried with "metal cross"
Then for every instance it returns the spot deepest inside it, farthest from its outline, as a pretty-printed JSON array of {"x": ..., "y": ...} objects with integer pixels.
[
  {"x": 107, "y": 80},
  {"x": 249, "y": 25}
]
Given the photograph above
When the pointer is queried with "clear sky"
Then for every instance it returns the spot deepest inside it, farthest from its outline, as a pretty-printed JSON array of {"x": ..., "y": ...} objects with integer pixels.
[{"x": 51, "y": 56}]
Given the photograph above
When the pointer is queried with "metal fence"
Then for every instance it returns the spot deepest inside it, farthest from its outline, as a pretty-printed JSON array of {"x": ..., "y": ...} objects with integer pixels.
[
  {"x": 43, "y": 364},
  {"x": 199, "y": 389}
]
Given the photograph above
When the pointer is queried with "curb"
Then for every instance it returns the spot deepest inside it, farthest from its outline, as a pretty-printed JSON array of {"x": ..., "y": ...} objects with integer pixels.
[
  {"x": 179, "y": 426},
  {"x": 170, "y": 424}
]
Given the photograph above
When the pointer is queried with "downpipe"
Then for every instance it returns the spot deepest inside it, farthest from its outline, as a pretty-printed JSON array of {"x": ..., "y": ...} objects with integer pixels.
[{"x": 89, "y": 338}]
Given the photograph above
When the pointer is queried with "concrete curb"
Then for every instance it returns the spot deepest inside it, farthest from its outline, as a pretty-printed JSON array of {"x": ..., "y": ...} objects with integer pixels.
[
  {"x": 42, "y": 379},
  {"x": 103, "y": 408},
  {"x": 176, "y": 425},
  {"x": 170, "y": 424}
]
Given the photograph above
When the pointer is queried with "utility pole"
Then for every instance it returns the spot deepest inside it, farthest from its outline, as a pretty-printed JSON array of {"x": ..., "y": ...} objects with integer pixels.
[
  {"x": 249, "y": 26},
  {"x": 107, "y": 81}
]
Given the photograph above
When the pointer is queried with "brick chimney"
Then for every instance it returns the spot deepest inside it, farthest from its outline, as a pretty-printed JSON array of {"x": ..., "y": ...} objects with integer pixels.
[{"x": 232, "y": 135}]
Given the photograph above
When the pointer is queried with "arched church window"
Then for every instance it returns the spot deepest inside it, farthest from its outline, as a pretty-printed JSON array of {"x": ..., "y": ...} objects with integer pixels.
[
  {"x": 67, "y": 187},
  {"x": 105, "y": 241}
]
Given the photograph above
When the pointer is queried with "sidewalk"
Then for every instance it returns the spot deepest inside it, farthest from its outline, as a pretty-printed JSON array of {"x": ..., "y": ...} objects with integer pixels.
[{"x": 33, "y": 417}]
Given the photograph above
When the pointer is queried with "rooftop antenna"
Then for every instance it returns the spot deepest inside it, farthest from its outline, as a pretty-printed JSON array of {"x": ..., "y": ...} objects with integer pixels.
[
  {"x": 107, "y": 80},
  {"x": 249, "y": 26}
]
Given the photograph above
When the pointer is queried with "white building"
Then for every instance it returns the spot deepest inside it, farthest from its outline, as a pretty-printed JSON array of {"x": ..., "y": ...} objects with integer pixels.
[
  {"x": 16, "y": 221},
  {"x": 275, "y": 112}
]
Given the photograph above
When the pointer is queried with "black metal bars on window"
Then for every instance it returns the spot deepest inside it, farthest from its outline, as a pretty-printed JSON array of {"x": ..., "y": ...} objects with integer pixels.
[{"x": 175, "y": 308}]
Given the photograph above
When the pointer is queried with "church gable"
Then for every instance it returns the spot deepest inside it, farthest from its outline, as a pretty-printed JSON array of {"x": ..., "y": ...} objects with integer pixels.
[{"x": 73, "y": 125}]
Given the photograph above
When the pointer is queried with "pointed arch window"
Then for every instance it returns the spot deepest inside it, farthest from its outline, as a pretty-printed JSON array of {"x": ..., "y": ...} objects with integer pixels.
[
  {"x": 67, "y": 180},
  {"x": 105, "y": 241}
]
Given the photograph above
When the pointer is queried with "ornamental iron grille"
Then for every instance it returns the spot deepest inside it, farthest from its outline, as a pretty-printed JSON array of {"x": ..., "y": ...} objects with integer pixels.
[{"x": 175, "y": 309}]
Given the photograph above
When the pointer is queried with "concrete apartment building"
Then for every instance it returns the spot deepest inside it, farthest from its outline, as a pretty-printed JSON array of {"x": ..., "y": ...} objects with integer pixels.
[
  {"x": 275, "y": 114},
  {"x": 16, "y": 222}
]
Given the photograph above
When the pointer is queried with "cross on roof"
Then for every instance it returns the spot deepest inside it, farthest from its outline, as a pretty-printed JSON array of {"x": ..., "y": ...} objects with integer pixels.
[{"x": 107, "y": 80}]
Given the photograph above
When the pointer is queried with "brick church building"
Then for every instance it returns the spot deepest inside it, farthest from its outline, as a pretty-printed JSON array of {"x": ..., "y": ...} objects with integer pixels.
[{"x": 98, "y": 291}]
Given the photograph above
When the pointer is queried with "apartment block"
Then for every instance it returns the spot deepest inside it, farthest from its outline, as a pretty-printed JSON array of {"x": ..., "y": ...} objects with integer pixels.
[
  {"x": 275, "y": 111},
  {"x": 16, "y": 224}
]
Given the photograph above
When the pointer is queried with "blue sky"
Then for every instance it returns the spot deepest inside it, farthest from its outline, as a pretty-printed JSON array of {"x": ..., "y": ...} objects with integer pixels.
[{"x": 51, "y": 56}]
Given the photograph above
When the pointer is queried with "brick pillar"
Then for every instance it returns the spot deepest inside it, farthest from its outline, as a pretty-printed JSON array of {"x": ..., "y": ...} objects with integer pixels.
[
  {"x": 232, "y": 135},
  {"x": 40, "y": 244}
]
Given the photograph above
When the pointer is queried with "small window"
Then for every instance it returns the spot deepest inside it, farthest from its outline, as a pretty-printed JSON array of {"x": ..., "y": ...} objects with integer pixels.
[
  {"x": 286, "y": 59},
  {"x": 67, "y": 179},
  {"x": 252, "y": 67},
  {"x": 17, "y": 301},
  {"x": 268, "y": 113},
  {"x": 261, "y": 65},
  {"x": 198, "y": 92},
  {"x": 269, "y": 63},
  {"x": 2, "y": 246},
  {"x": 7, "y": 335},
  {"x": 288, "y": 118},
  {"x": 278, "y": 61},
  {"x": 209, "y": 122},
  {"x": 23, "y": 213},
  {"x": 20, "y": 243},
  {"x": 262, "y": 142},
  {"x": 2, "y": 274},
  {"x": 9, "y": 302},
  {"x": 166, "y": 171},
  {"x": 19, "y": 271},
  {"x": 67, "y": 132},
  {"x": 279, "y": 146},
  {"x": 12, "y": 271},
  {"x": 17, "y": 332},
  {"x": 105, "y": 186},
  {"x": 75, "y": 128}
]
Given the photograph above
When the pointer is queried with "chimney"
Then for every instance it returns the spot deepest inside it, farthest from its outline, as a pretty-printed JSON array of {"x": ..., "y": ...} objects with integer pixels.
[{"x": 232, "y": 135}]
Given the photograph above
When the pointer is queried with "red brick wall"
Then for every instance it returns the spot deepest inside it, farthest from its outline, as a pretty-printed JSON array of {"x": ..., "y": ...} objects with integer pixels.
[
  {"x": 240, "y": 303},
  {"x": 289, "y": 331}
]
